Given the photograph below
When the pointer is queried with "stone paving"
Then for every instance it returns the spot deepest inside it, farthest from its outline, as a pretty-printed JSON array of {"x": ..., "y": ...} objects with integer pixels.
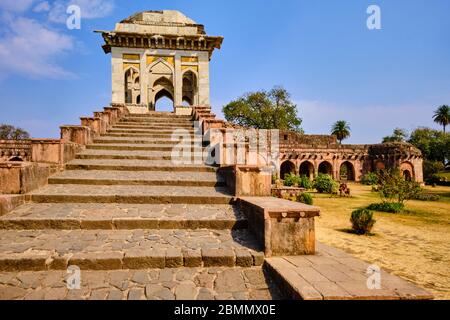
[
  {"x": 123, "y": 216},
  {"x": 126, "y": 249},
  {"x": 111, "y": 177},
  {"x": 151, "y": 284},
  {"x": 332, "y": 274}
]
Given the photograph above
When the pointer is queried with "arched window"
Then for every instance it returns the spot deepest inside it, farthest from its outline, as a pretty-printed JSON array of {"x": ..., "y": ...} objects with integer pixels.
[
  {"x": 307, "y": 169},
  {"x": 326, "y": 168},
  {"x": 347, "y": 171},
  {"x": 132, "y": 85},
  {"x": 286, "y": 168},
  {"x": 164, "y": 101},
  {"x": 190, "y": 87}
]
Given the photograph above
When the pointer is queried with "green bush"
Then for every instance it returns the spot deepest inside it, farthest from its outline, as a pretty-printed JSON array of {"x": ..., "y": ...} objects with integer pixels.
[
  {"x": 305, "y": 182},
  {"x": 390, "y": 207},
  {"x": 362, "y": 221},
  {"x": 370, "y": 179},
  {"x": 305, "y": 198},
  {"x": 291, "y": 180},
  {"x": 324, "y": 183},
  {"x": 427, "y": 197}
]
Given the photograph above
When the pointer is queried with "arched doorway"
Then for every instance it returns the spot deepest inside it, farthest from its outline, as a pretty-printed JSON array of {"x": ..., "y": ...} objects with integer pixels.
[
  {"x": 190, "y": 88},
  {"x": 160, "y": 78},
  {"x": 286, "y": 168},
  {"x": 326, "y": 168},
  {"x": 132, "y": 86},
  {"x": 407, "y": 170},
  {"x": 347, "y": 171},
  {"x": 307, "y": 169},
  {"x": 164, "y": 101}
]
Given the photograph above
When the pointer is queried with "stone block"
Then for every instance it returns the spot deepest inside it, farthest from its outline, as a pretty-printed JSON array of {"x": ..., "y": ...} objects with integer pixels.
[
  {"x": 97, "y": 260},
  {"x": 174, "y": 258},
  {"x": 218, "y": 257},
  {"x": 144, "y": 259},
  {"x": 192, "y": 258}
]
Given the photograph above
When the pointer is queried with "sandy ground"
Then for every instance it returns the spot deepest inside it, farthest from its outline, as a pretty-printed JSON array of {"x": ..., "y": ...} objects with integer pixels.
[{"x": 413, "y": 245}]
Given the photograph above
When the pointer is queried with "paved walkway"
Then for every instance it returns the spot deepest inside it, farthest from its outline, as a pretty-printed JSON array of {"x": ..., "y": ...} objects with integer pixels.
[{"x": 332, "y": 274}]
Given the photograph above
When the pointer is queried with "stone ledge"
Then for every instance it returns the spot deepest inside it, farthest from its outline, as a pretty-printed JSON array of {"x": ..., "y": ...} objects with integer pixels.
[
  {"x": 332, "y": 274},
  {"x": 284, "y": 227},
  {"x": 9, "y": 202}
]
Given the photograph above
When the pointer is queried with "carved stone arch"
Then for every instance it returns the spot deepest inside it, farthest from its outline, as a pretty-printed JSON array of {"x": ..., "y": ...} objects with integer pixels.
[
  {"x": 161, "y": 77},
  {"x": 286, "y": 168},
  {"x": 307, "y": 169},
  {"x": 190, "y": 86},
  {"x": 347, "y": 171},
  {"x": 326, "y": 167},
  {"x": 132, "y": 85},
  {"x": 407, "y": 170}
]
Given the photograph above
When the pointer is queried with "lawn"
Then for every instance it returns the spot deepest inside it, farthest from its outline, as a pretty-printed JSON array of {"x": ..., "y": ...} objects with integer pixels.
[{"x": 414, "y": 245}]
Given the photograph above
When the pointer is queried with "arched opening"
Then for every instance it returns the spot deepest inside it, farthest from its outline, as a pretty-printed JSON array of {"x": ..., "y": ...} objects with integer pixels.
[
  {"x": 379, "y": 165},
  {"x": 160, "y": 78},
  {"x": 407, "y": 170},
  {"x": 164, "y": 101},
  {"x": 286, "y": 168},
  {"x": 407, "y": 175},
  {"x": 132, "y": 86},
  {"x": 347, "y": 171},
  {"x": 16, "y": 158},
  {"x": 190, "y": 88},
  {"x": 326, "y": 168},
  {"x": 307, "y": 169}
]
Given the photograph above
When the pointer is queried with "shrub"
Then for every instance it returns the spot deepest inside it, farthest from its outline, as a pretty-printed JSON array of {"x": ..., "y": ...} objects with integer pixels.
[
  {"x": 427, "y": 197},
  {"x": 305, "y": 198},
  {"x": 305, "y": 182},
  {"x": 291, "y": 180},
  {"x": 392, "y": 187},
  {"x": 370, "y": 179},
  {"x": 362, "y": 221},
  {"x": 324, "y": 183},
  {"x": 390, "y": 207}
]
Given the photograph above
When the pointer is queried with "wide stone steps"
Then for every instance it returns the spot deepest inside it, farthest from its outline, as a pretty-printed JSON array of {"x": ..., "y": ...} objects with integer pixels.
[
  {"x": 151, "y": 141},
  {"x": 108, "y": 216},
  {"x": 136, "y": 165},
  {"x": 129, "y": 154},
  {"x": 62, "y": 193},
  {"x": 156, "y": 135},
  {"x": 135, "y": 146},
  {"x": 22, "y": 250},
  {"x": 112, "y": 177},
  {"x": 150, "y": 131},
  {"x": 154, "y": 126},
  {"x": 157, "y": 120}
]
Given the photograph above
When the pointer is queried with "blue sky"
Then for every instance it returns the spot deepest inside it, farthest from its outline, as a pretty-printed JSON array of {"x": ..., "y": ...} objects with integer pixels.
[{"x": 320, "y": 50}]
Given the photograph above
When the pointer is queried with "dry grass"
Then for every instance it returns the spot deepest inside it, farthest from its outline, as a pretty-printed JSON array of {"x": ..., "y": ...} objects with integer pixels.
[{"x": 414, "y": 245}]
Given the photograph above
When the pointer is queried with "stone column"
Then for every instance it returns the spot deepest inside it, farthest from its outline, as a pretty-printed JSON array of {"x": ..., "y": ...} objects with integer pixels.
[
  {"x": 203, "y": 79},
  {"x": 178, "y": 82},
  {"x": 117, "y": 76}
]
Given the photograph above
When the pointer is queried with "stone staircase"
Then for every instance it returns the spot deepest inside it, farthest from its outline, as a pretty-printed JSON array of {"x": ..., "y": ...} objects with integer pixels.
[{"x": 123, "y": 204}]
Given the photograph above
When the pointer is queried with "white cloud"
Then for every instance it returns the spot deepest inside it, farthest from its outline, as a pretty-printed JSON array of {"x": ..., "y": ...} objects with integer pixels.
[
  {"x": 29, "y": 48},
  {"x": 90, "y": 9},
  {"x": 42, "y": 7},
  {"x": 16, "y": 5}
]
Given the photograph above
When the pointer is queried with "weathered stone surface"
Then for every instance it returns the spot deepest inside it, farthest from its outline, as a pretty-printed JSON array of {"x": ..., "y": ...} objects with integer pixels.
[
  {"x": 218, "y": 257},
  {"x": 186, "y": 291},
  {"x": 230, "y": 281},
  {"x": 174, "y": 258}
]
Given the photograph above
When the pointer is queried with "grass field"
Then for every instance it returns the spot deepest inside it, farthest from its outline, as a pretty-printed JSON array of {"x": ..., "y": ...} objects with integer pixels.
[{"x": 414, "y": 245}]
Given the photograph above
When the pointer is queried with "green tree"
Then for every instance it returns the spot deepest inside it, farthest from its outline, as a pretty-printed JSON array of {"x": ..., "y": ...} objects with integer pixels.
[
  {"x": 8, "y": 132},
  {"x": 399, "y": 135},
  {"x": 434, "y": 144},
  {"x": 341, "y": 129},
  {"x": 442, "y": 116},
  {"x": 264, "y": 110}
]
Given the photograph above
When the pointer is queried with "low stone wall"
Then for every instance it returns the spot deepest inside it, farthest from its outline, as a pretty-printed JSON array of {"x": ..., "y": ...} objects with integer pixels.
[
  {"x": 283, "y": 227},
  {"x": 287, "y": 192},
  {"x": 247, "y": 180},
  {"x": 23, "y": 177}
]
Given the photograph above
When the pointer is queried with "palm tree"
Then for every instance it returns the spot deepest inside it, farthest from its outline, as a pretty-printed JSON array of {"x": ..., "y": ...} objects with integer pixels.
[
  {"x": 341, "y": 129},
  {"x": 442, "y": 116}
]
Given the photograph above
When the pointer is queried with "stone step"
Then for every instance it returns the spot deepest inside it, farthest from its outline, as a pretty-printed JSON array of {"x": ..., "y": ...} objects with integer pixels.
[
  {"x": 135, "y": 165},
  {"x": 155, "y": 127},
  {"x": 130, "y": 154},
  {"x": 153, "y": 115},
  {"x": 22, "y": 250},
  {"x": 107, "y": 216},
  {"x": 238, "y": 283},
  {"x": 150, "y": 141},
  {"x": 148, "y": 178},
  {"x": 142, "y": 147},
  {"x": 150, "y": 131},
  {"x": 170, "y": 124},
  {"x": 63, "y": 193},
  {"x": 155, "y": 120},
  {"x": 147, "y": 135}
]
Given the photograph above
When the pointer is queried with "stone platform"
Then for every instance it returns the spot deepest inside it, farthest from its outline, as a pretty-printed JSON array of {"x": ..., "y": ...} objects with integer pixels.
[{"x": 332, "y": 274}]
